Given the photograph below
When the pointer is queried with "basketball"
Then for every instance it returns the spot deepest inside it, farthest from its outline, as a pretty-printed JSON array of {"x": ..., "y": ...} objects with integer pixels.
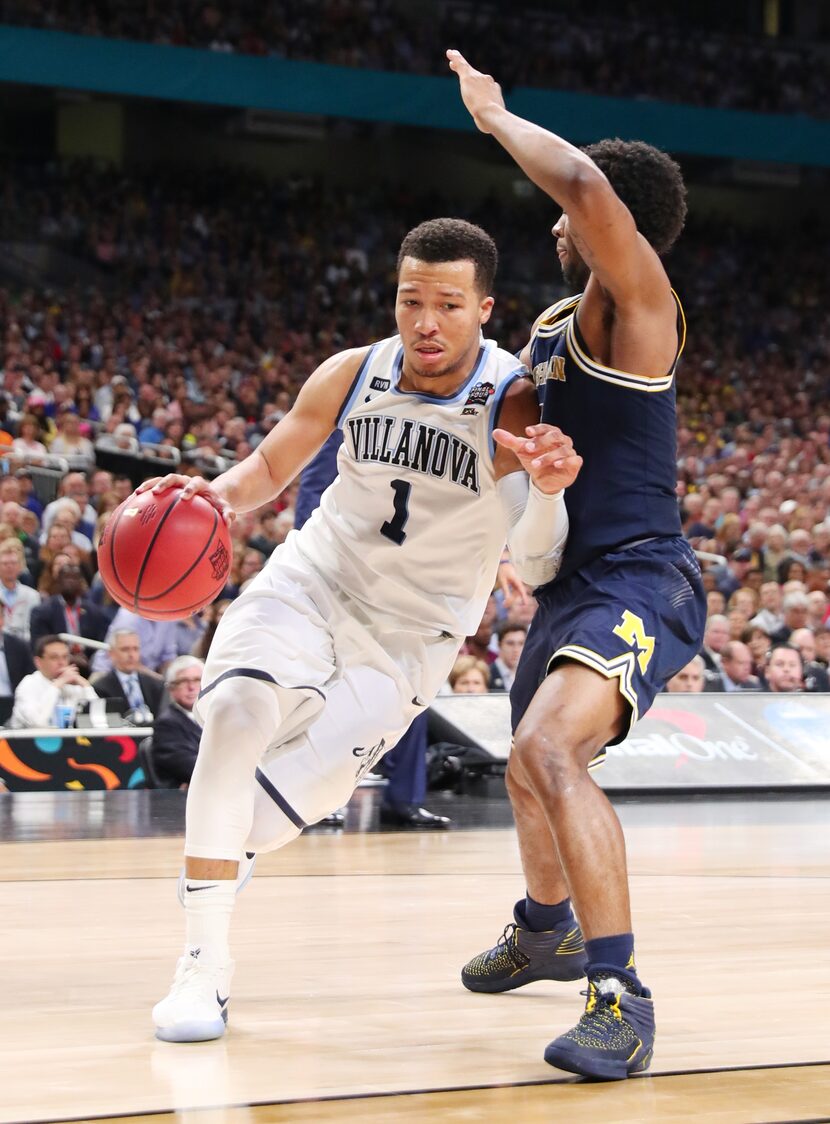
[{"x": 162, "y": 557}]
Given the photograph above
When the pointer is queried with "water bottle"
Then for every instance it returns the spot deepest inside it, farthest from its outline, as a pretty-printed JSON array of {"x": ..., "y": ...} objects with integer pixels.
[{"x": 63, "y": 715}]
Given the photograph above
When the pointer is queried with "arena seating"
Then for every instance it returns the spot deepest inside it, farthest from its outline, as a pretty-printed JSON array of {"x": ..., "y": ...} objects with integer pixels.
[{"x": 704, "y": 56}]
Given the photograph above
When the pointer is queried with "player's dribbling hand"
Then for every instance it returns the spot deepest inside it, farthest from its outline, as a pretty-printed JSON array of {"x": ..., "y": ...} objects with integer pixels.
[
  {"x": 191, "y": 486},
  {"x": 479, "y": 92},
  {"x": 546, "y": 454}
]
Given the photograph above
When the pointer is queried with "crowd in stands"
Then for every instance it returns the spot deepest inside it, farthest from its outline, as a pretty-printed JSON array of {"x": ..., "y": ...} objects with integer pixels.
[
  {"x": 222, "y": 295},
  {"x": 628, "y": 50}
]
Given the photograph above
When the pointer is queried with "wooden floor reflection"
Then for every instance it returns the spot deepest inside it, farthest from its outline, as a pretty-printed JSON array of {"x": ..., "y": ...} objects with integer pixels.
[
  {"x": 346, "y": 1002},
  {"x": 731, "y": 1097}
]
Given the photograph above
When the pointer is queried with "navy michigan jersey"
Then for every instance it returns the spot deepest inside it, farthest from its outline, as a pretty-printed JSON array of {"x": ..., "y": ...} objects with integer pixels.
[
  {"x": 622, "y": 425},
  {"x": 628, "y": 600}
]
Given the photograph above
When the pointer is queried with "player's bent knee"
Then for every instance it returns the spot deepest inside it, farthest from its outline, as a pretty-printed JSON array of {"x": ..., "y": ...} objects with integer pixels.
[
  {"x": 517, "y": 784},
  {"x": 546, "y": 761},
  {"x": 239, "y": 703}
]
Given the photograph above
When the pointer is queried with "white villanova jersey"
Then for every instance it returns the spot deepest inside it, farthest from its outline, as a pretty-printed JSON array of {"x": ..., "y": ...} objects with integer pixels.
[{"x": 413, "y": 528}]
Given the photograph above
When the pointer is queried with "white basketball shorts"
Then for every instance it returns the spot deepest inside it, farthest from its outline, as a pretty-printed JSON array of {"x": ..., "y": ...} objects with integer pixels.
[{"x": 346, "y": 683}]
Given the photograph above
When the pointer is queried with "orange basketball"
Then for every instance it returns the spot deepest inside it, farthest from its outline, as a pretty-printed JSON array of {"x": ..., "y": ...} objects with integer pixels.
[{"x": 163, "y": 557}]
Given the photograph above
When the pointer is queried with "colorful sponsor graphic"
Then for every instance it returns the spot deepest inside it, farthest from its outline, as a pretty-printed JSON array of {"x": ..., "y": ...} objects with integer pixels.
[
  {"x": 739, "y": 739},
  {"x": 73, "y": 762},
  {"x": 793, "y": 717},
  {"x": 707, "y": 741},
  {"x": 681, "y": 734}
]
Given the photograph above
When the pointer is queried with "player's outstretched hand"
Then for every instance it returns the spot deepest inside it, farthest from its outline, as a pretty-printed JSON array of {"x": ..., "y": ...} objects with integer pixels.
[
  {"x": 479, "y": 92},
  {"x": 546, "y": 454},
  {"x": 191, "y": 486}
]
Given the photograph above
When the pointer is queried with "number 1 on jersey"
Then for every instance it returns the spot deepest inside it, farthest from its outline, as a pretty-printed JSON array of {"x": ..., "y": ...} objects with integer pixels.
[{"x": 393, "y": 528}]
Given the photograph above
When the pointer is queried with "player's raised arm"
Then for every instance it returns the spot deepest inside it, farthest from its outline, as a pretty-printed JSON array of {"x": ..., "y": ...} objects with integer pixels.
[
  {"x": 284, "y": 452},
  {"x": 600, "y": 224}
]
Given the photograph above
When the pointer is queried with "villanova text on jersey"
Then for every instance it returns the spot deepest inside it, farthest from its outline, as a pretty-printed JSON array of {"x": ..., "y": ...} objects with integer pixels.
[{"x": 407, "y": 443}]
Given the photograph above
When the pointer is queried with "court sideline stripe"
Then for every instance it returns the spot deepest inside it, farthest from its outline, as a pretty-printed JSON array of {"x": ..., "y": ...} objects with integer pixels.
[
  {"x": 343, "y": 1097},
  {"x": 371, "y": 873},
  {"x": 454, "y": 874}
]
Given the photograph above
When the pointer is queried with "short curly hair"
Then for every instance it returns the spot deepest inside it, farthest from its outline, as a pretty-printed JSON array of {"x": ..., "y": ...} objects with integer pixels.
[
  {"x": 650, "y": 184},
  {"x": 440, "y": 240}
]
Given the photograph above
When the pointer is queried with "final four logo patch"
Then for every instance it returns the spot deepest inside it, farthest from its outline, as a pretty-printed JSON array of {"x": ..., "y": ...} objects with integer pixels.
[{"x": 480, "y": 393}]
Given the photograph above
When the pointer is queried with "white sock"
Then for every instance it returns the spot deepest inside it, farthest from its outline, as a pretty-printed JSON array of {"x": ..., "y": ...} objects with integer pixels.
[{"x": 208, "y": 905}]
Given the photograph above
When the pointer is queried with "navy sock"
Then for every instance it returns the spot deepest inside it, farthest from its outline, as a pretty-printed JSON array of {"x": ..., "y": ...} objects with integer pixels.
[
  {"x": 542, "y": 918},
  {"x": 613, "y": 952}
]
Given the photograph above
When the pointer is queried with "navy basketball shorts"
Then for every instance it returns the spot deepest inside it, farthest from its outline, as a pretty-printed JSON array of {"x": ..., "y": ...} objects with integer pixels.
[{"x": 635, "y": 615}]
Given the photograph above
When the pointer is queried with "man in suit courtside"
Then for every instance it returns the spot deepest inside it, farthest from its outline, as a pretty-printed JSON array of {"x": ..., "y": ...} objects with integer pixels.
[
  {"x": 176, "y": 733},
  {"x": 140, "y": 691},
  {"x": 15, "y": 664}
]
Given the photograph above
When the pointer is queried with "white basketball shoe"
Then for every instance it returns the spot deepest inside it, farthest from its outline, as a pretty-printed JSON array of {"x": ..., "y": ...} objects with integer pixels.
[{"x": 196, "y": 1007}]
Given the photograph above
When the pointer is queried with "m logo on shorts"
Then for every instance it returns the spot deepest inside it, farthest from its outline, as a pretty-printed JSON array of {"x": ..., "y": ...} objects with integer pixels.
[{"x": 632, "y": 630}]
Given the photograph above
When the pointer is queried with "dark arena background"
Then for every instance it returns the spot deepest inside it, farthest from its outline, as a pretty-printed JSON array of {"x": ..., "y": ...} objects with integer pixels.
[{"x": 202, "y": 201}]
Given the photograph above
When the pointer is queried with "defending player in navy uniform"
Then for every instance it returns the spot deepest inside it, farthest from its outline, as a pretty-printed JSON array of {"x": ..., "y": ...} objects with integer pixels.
[
  {"x": 626, "y": 610},
  {"x": 354, "y": 622}
]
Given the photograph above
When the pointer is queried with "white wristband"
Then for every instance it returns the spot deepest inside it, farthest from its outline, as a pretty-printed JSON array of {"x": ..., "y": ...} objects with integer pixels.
[{"x": 537, "y": 527}]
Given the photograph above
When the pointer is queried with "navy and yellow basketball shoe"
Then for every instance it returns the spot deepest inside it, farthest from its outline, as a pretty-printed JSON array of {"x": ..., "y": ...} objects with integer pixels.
[
  {"x": 614, "y": 1038},
  {"x": 521, "y": 956}
]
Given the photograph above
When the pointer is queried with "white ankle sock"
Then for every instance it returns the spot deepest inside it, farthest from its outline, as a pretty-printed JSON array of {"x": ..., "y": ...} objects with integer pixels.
[{"x": 208, "y": 905}]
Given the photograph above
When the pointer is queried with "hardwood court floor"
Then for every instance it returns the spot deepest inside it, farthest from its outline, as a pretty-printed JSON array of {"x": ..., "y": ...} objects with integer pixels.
[{"x": 346, "y": 1002}]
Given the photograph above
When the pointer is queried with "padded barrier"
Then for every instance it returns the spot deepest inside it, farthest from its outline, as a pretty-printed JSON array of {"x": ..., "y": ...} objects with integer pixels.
[{"x": 706, "y": 743}]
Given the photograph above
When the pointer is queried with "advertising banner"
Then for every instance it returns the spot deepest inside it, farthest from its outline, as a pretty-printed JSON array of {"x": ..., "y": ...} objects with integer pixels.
[
  {"x": 707, "y": 741},
  {"x": 71, "y": 760}
]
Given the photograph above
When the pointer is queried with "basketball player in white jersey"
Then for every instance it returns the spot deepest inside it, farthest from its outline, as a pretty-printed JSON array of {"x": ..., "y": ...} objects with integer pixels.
[{"x": 355, "y": 621}]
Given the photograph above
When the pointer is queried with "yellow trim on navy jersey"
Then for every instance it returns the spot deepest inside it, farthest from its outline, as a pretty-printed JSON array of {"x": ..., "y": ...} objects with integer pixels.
[
  {"x": 555, "y": 330},
  {"x": 651, "y": 384},
  {"x": 682, "y": 315},
  {"x": 621, "y": 667},
  {"x": 552, "y": 322},
  {"x": 648, "y": 383}
]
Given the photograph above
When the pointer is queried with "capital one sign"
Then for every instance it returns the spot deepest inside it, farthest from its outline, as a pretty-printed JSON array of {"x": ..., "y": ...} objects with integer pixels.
[{"x": 713, "y": 741}]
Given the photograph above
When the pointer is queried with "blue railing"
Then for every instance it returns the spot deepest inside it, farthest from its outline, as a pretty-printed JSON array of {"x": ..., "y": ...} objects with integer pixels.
[{"x": 118, "y": 67}]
